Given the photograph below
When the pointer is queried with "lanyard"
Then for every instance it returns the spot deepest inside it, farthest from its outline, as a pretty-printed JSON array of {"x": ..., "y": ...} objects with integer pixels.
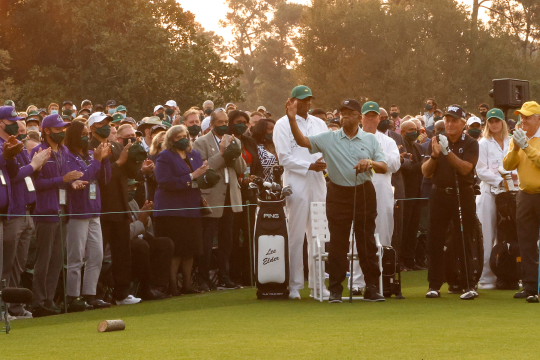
[
  {"x": 216, "y": 139},
  {"x": 84, "y": 161},
  {"x": 56, "y": 157}
]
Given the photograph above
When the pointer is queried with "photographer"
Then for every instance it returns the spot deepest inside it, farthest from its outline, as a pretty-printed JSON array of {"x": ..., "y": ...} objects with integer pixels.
[
  {"x": 224, "y": 155},
  {"x": 451, "y": 156}
]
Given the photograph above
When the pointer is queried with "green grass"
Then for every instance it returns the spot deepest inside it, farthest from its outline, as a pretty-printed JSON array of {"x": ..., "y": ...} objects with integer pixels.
[{"x": 234, "y": 325}]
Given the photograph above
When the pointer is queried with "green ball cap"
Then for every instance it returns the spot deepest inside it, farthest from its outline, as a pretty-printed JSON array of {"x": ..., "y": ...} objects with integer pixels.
[
  {"x": 495, "y": 113},
  {"x": 121, "y": 108},
  {"x": 117, "y": 118},
  {"x": 301, "y": 92},
  {"x": 370, "y": 106}
]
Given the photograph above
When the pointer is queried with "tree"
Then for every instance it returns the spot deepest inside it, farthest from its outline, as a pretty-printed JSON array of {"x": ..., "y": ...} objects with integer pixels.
[
  {"x": 8, "y": 90},
  {"x": 140, "y": 53}
]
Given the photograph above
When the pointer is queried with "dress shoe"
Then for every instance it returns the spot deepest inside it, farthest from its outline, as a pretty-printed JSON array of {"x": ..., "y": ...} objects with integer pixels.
[
  {"x": 371, "y": 294},
  {"x": 335, "y": 298},
  {"x": 96, "y": 303}
]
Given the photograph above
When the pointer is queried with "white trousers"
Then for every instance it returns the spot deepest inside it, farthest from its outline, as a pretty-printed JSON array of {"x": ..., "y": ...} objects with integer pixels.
[
  {"x": 384, "y": 224},
  {"x": 298, "y": 214},
  {"x": 486, "y": 210},
  {"x": 84, "y": 243}
]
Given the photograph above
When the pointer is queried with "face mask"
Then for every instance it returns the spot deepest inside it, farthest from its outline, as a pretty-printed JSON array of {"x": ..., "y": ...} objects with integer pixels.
[
  {"x": 30, "y": 128},
  {"x": 483, "y": 113},
  {"x": 221, "y": 130},
  {"x": 123, "y": 116},
  {"x": 104, "y": 131},
  {"x": 394, "y": 115},
  {"x": 58, "y": 137},
  {"x": 21, "y": 137},
  {"x": 11, "y": 129},
  {"x": 125, "y": 141},
  {"x": 54, "y": 111},
  {"x": 239, "y": 129},
  {"x": 437, "y": 118},
  {"x": 269, "y": 137},
  {"x": 160, "y": 116},
  {"x": 474, "y": 133},
  {"x": 383, "y": 125},
  {"x": 131, "y": 195},
  {"x": 429, "y": 107},
  {"x": 194, "y": 130},
  {"x": 181, "y": 144},
  {"x": 169, "y": 112},
  {"x": 112, "y": 111},
  {"x": 84, "y": 142},
  {"x": 411, "y": 136}
]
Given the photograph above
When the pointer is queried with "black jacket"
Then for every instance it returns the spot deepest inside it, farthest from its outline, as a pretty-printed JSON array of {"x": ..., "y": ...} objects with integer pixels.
[
  {"x": 397, "y": 178},
  {"x": 412, "y": 172}
]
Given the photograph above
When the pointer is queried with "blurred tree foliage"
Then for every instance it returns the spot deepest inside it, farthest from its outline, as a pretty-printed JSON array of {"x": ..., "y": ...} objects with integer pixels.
[{"x": 138, "y": 52}]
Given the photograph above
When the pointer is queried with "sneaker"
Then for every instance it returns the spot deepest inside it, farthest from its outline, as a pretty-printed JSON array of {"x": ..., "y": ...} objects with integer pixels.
[
  {"x": 9, "y": 317},
  {"x": 469, "y": 295},
  {"x": 76, "y": 304},
  {"x": 432, "y": 294},
  {"x": 42, "y": 311},
  {"x": 356, "y": 291},
  {"x": 96, "y": 303},
  {"x": 294, "y": 294},
  {"x": 25, "y": 315},
  {"x": 129, "y": 300},
  {"x": 226, "y": 284},
  {"x": 532, "y": 299},
  {"x": 523, "y": 294},
  {"x": 487, "y": 286},
  {"x": 371, "y": 294},
  {"x": 335, "y": 298}
]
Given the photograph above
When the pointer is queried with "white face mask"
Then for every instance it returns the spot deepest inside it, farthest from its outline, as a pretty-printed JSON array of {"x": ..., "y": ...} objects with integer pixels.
[{"x": 35, "y": 128}]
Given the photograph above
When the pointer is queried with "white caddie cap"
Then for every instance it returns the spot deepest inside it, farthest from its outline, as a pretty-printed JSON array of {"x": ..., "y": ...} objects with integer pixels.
[
  {"x": 98, "y": 117},
  {"x": 158, "y": 107},
  {"x": 473, "y": 120},
  {"x": 261, "y": 108},
  {"x": 170, "y": 103}
]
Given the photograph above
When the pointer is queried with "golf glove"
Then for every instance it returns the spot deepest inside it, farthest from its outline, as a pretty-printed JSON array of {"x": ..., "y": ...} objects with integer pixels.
[
  {"x": 443, "y": 141},
  {"x": 520, "y": 138}
]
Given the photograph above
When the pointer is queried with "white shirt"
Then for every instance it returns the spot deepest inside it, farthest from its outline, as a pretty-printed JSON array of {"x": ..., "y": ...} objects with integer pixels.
[
  {"x": 146, "y": 147},
  {"x": 205, "y": 124},
  {"x": 490, "y": 157},
  {"x": 391, "y": 151}
]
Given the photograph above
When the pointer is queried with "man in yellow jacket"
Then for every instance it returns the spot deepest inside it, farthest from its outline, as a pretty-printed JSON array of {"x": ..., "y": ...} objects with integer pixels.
[{"x": 524, "y": 155}]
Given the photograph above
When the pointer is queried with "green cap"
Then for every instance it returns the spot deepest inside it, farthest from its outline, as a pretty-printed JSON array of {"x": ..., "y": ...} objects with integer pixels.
[
  {"x": 495, "y": 113},
  {"x": 34, "y": 113},
  {"x": 120, "y": 108},
  {"x": 301, "y": 92},
  {"x": 167, "y": 124},
  {"x": 9, "y": 103},
  {"x": 370, "y": 106},
  {"x": 117, "y": 118}
]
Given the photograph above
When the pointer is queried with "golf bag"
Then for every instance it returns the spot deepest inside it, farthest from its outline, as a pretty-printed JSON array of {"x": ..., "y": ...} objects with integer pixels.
[
  {"x": 271, "y": 251},
  {"x": 505, "y": 260},
  {"x": 390, "y": 273},
  {"x": 451, "y": 259}
]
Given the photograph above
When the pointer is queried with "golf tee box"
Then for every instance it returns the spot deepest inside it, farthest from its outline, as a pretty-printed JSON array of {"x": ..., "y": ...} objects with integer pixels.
[{"x": 111, "y": 325}]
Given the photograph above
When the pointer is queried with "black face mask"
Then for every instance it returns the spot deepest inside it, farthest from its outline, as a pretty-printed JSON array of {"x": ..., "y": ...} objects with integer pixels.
[
  {"x": 84, "y": 142},
  {"x": 383, "y": 125},
  {"x": 169, "y": 112},
  {"x": 131, "y": 195},
  {"x": 394, "y": 115},
  {"x": 160, "y": 116},
  {"x": 181, "y": 144},
  {"x": 221, "y": 130},
  {"x": 21, "y": 137},
  {"x": 239, "y": 129},
  {"x": 125, "y": 141},
  {"x": 194, "y": 130},
  {"x": 11, "y": 129},
  {"x": 104, "y": 131},
  {"x": 474, "y": 133},
  {"x": 58, "y": 137}
]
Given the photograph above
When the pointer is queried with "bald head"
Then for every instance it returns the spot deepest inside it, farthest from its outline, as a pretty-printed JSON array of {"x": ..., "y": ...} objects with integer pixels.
[
  {"x": 406, "y": 126},
  {"x": 417, "y": 123},
  {"x": 384, "y": 113},
  {"x": 439, "y": 126}
]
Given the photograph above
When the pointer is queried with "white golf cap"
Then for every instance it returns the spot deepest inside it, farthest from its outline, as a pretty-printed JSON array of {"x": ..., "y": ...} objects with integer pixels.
[
  {"x": 74, "y": 107},
  {"x": 98, "y": 117},
  {"x": 171, "y": 103},
  {"x": 158, "y": 107},
  {"x": 261, "y": 108},
  {"x": 229, "y": 104},
  {"x": 473, "y": 120}
]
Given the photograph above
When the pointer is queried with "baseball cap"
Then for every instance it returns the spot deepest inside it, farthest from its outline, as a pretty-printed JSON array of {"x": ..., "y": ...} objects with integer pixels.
[
  {"x": 121, "y": 108},
  {"x": 9, "y": 113},
  {"x": 157, "y": 128},
  {"x": 171, "y": 103},
  {"x": 86, "y": 102},
  {"x": 98, "y": 117},
  {"x": 110, "y": 103},
  {"x": 117, "y": 117},
  {"x": 371, "y": 106},
  {"x": 53, "y": 121},
  {"x": 350, "y": 104},
  {"x": 88, "y": 110},
  {"x": 9, "y": 103},
  {"x": 67, "y": 102},
  {"x": 495, "y": 113},
  {"x": 528, "y": 109},
  {"x": 98, "y": 107},
  {"x": 128, "y": 120},
  {"x": 261, "y": 108},
  {"x": 473, "y": 120},
  {"x": 34, "y": 113},
  {"x": 157, "y": 107},
  {"x": 229, "y": 104},
  {"x": 301, "y": 92},
  {"x": 455, "y": 111}
]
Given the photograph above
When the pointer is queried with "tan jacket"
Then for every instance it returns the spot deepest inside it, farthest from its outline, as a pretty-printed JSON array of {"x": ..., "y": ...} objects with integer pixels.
[{"x": 209, "y": 150}]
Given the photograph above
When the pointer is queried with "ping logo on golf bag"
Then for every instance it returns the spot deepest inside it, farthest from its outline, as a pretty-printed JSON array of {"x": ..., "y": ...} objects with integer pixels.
[{"x": 271, "y": 216}]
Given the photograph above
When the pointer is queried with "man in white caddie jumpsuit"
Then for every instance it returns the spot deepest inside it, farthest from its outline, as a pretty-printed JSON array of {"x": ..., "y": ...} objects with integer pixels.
[
  {"x": 384, "y": 223},
  {"x": 304, "y": 173}
]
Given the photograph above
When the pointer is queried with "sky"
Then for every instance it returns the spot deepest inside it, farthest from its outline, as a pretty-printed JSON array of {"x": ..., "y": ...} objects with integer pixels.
[{"x": 209, "y": 12}]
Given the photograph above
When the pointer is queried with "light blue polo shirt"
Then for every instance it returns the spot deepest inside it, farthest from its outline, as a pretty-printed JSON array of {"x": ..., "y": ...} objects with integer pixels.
[{"x": 342, "y": 154}]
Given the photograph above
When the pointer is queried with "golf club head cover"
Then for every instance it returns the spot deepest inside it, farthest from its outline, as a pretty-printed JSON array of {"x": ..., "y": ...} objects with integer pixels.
[
  {"x": 443, "y": 141},
  {"x": 232, "y": 152},
  {"x": 208, "y": 180},
  {"x": 17, "y": 296}
]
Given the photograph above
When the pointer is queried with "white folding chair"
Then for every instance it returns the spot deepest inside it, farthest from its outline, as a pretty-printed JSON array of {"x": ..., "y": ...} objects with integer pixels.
[{"x": 320, "y": 237}]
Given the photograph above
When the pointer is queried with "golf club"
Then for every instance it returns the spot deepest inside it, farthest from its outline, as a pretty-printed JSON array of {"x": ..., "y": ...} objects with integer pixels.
[
  {"x": 470, "y": 294},
  {"x": 534, "y": 298},
  {"x": 354, "y": 236}
]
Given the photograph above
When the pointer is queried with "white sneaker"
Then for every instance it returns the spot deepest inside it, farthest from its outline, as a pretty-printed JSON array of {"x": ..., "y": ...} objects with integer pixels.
[
  {"x": 25, "y": 315},
  {"x": 129, "y": 300},
  {"x": 486, "y": 286},
  {"x": 294, "y": 295}
]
